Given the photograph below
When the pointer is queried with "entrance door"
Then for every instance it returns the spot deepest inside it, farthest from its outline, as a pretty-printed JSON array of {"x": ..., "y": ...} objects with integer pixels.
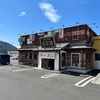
[
  {"x": 75, "y": 60},
  {"x": 97, "y": 60},
  {"x": 48, "y": 64},
  {"x": 45, "y": 63}
]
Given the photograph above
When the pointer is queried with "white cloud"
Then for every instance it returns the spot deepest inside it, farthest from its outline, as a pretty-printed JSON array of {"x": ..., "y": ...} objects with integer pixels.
[
  {"x": 49, "y": 11},
  {"x": 22, "y": 14}
]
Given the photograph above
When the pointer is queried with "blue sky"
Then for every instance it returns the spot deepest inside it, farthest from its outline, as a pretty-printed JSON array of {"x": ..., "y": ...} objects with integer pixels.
[{"x": 25, "y": 16}]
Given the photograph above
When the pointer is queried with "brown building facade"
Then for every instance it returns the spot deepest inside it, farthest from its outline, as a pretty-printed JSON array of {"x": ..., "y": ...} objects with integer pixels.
[{"x": 67, "y": 48}]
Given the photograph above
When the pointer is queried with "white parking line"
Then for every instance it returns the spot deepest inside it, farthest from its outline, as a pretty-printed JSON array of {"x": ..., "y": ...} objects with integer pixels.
[
  {"x": 49, "y": 75},
  {"x": 84, "y": 81},
  {"x": 6, "y": 67},
  {"x": 9, "y": 69},
  {"x": 18, "y": 70}
]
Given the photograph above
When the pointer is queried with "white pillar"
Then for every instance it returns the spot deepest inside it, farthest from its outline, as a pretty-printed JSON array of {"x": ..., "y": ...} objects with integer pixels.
[
  {"x": 56, "y": 62},
  {"x": 39, "y": 61}
]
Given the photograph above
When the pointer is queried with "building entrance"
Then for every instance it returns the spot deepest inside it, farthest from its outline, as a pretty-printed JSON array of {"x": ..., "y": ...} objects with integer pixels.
[{"x": 48, "y": 64}]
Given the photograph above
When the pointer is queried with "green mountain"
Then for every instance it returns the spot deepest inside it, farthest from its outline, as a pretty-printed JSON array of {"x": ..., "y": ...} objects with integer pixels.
[{"x": 5, "y": 47}]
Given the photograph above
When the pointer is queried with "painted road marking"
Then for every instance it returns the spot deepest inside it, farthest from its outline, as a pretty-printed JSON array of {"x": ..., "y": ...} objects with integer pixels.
[
  {"x": 49, "y": 75},
  {"x": 85, "y": 81},
  {"x": 19, "y": 70},
  {"x": 9, "y": 69},
  {"x": 6, "y": 68}
]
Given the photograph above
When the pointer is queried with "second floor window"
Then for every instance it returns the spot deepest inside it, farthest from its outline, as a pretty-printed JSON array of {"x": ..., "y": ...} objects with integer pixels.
[{"x": 75, "y": 35}]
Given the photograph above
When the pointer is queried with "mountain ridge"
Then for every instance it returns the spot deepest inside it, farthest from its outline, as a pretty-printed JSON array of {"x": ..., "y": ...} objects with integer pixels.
[{"x": 5, "y": 47}]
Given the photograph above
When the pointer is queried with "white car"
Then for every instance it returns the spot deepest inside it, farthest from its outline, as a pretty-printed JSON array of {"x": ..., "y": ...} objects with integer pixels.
[{"x": 14, "y": 58}]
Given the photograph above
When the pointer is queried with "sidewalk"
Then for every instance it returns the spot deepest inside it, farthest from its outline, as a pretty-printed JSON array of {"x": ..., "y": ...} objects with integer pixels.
[{"x": 96, "y": 80}]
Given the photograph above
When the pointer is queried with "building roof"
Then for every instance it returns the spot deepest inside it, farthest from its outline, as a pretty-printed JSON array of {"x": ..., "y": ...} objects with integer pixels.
[
  {"x": 58, "y": 46},
  {"x": 97, "y": 37}
]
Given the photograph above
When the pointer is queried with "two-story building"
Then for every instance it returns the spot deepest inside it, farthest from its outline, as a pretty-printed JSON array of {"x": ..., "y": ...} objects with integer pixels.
[{"x": 66, "y": 48}]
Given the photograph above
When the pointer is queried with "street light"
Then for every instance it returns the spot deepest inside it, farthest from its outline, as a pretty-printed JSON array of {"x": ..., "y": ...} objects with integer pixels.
[
  {"x": 92, "y": 24},
  {"x": 52, "y": 28},
  {"x": 41, "y": 30},
  {"x": 18, "y": 35},
  {"x": 95, "y": 27},
  {"x": 63, "y": 26},
  {"x": 78, "y": 23}
]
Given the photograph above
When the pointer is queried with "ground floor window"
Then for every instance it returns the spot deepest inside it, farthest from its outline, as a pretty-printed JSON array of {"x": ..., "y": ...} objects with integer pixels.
[
  {"x": 30, "y": 56},
  {"x": 97, "y": 56},
  {"x": 97, "y": 60},
  {"x": 63, "y": 60},
  {"x": 35, "y": 56},
  {"x": 26, "y": 56},
  {"x": 79, "y": 60},
  {"x": 75, "y": 59},
  {"x": 88, "y": 57}
]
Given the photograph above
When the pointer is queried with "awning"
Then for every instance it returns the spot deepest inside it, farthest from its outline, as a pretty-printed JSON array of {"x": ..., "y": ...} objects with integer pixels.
[{"x": 80, "y": 47}]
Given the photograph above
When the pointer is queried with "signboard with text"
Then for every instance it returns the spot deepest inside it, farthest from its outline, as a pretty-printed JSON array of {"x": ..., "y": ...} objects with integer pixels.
[
  {"x": 47, "y": 55},
  {"x": 47, "y": 42}
]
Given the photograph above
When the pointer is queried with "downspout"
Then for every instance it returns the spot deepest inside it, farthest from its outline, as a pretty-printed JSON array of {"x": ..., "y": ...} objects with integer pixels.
[{"x": 59, "y": 61}]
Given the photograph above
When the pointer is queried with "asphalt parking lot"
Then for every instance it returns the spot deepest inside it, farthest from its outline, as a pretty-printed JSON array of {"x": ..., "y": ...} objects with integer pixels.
[{"x": 35, "y": 84}]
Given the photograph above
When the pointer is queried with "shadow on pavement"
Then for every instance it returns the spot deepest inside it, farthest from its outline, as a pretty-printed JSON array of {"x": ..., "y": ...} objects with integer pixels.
[
  {"x": 93, "y": 72},
  {"x": 71, "y": 73}
]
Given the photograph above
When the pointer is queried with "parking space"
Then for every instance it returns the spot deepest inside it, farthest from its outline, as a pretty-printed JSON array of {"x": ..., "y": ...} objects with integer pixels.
[
  {"x": 40, "y": 84},
  {"x": 45, "y": 74}
]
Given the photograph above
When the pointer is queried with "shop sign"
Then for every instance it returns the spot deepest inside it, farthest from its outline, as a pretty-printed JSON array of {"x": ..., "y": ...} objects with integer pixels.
[
  {"x": 47, "y": 42},
  {"x": 47, "y": 55}
]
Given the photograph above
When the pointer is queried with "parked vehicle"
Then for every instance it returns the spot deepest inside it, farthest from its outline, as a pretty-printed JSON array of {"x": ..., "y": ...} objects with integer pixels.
[
  {"x": 14, "y": 58},
  {"x": 4, "y": 59}
]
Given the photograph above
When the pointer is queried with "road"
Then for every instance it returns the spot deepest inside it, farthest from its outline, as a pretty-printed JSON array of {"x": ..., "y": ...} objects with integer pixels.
[{"x": 34, "y": 84}]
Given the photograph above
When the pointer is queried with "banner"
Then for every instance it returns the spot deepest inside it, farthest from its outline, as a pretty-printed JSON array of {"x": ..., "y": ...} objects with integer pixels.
[
  {"x": 61, "y": 33},
  {"x": 47, "y": 55}
]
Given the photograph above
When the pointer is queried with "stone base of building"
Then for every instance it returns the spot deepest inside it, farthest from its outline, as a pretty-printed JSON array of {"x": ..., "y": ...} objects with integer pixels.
[{"x": 79, "y": 70}]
